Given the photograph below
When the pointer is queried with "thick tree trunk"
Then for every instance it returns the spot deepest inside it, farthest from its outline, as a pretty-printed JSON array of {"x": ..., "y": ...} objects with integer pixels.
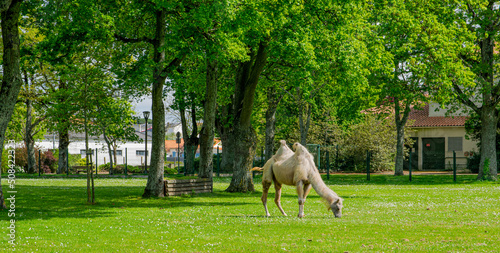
[
  {"x": 154, "y": 186},
  {"x": 242, "y": 136},
  {"x": 207, "y": 132},
  {"x": 28, "y": 138},
  {"x": 400, "y": 137},
  {"x": 226, "y": 163},
  {"x": 190, "y": 141},
  {"x": 489, "y": 121},
  {"x": 11, "y": 81},
  {"x": 272, "y": 106},
  {"x": 401, "y": 120},
  {"x": 489, "y": 117},
  {"x": 63, "y": 148},
  {"x": 244, "y": 150}
]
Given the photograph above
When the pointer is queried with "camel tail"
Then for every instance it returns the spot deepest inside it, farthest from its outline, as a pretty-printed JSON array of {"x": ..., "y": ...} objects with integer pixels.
[
  {"x": 256, "y": 169},
  {"x": 322, "y": 189}
]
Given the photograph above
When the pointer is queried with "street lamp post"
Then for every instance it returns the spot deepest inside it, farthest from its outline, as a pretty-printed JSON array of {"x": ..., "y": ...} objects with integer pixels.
[{"x": 146, "y": 116}]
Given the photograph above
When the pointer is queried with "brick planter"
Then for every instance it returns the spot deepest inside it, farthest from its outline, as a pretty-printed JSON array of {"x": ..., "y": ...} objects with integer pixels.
[{"x": 177, "y": 187}]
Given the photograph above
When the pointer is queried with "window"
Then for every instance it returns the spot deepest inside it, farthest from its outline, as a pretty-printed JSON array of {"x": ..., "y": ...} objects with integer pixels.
[
  {"x": 140, "y": 152},
  {"x": 454, "y": 143},
  {"x": 119, "y": 152},
  {"x": 82, "y": 151}
]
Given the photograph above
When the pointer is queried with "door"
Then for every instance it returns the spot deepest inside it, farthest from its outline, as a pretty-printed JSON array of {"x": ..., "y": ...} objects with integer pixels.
[{"x": 433, "y": 153}]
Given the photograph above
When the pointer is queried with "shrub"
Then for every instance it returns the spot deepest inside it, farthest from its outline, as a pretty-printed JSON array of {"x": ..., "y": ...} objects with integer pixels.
[
  {"x": 134, "y": 169},
  {"x": 81, "y": 162},
  {"x": 170, "y": 170},
  {"x": 103, "y": 167},
  {"x": 75, "y": 160},
  {"x": 375, "y": 135},
  {"x": 475, "y": 160},
  {"x": 49, "y": 162}
]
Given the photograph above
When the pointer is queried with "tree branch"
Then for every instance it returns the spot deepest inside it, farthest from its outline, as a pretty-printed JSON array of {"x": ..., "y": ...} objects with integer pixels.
[
  {"x": 133, "y": 40},
  {"x": 464, "y": 99},
  {"x": 4, "y": 5},
  {"x": 173, "y": 64}
]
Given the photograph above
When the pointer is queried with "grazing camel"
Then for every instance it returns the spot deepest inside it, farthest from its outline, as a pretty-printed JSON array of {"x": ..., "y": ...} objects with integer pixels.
[{"x": 296, "y": 169}]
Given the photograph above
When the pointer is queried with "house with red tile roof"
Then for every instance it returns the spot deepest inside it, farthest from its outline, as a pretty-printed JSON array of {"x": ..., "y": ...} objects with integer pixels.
[
  {"x": 436, "y": 135},
  {"x": 172, "y": 148}
]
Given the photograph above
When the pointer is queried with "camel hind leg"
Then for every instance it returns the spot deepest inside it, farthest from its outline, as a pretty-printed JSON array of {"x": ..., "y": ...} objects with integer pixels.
[
  {"x": 277, "y": 196},
  {"x": 265, "y": 190}
]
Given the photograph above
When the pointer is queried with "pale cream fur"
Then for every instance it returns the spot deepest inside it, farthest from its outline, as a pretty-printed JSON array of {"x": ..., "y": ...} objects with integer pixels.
[{"x": 296, "y": 169}]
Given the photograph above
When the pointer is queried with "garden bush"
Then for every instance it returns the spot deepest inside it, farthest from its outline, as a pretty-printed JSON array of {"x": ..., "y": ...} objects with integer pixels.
[
  {"x": 475, "y": 160},
  {"x": 134, "y": 169},
  {"x": 170, "y": 170}
]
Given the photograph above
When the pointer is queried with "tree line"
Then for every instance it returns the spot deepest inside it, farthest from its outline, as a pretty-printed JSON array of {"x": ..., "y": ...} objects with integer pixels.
[{"x": 241, "y": 65}]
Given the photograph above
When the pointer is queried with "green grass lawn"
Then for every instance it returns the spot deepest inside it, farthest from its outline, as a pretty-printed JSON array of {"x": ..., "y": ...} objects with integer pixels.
[{"x": 431, "y": 214}]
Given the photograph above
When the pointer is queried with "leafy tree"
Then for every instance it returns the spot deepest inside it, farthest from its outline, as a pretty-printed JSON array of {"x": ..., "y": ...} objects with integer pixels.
[
  {"x": 476, "y": 27},
  {"x": 417, "y": 53},
  {"x": 113, "y": 119},
  {"x": 11, "y": 80},
  {"x": 154, "y": 61}
]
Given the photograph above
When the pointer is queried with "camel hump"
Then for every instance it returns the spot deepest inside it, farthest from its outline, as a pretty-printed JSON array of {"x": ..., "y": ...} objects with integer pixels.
[{"x": 256, "y": 169}]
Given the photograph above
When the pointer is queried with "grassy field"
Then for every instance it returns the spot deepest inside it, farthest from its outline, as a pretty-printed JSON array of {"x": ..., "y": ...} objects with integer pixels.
[{"x": 431, "y": 214}]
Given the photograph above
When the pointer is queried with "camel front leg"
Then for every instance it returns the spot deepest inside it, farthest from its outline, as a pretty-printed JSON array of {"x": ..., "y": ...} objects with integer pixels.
[
  {"x": 277, "y": 197},
  {"x": 300, "y": 193},
  {"x": 265, "y": 190},
  {"x": 307, "y": 189}
]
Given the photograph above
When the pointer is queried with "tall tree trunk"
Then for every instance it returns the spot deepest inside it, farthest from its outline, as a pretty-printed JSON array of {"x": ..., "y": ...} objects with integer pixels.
[
  {"x": 226, "y": 163},
  {"x": 401, "y": 120},
  {"x": 272, "y": 106},
  {"x": 28, "y": 138},
  {"x": 489, "y": 120},
  {"x": 190, "y": 141},
  {"x": 241, "y": 135},
  {"x": 11, "y": 81},
  {"x": 207, "y": 132},
  {"x": 245, "y": 143},
  {"x": 110, "y": 152},
  {"x": 489, "y": 117},
  {"x": 154, "y": 186},
  {"x": 114, "y": 154},
  {"x": 63, "y": 148}
]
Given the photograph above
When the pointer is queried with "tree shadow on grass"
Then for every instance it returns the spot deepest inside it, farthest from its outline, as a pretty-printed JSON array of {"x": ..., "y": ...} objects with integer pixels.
[{"x": 46, "y": 202}]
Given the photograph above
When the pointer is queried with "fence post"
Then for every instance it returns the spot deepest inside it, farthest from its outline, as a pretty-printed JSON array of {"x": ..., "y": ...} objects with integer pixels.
[
  {"x": 409, "y": 164},
  {"x": 67, "y": 162},
  {"x": 126, "y": 161},
  {"x": 39, "y": 161},
  {"x": 327, "y": 164},
  {"x": 218, "y": 162},
  {"x": 368, "y": 165},
  {"x": 319, "y": 157},
  {"x": 454, "y": 166},
  {"x": 96, "y": 163}
]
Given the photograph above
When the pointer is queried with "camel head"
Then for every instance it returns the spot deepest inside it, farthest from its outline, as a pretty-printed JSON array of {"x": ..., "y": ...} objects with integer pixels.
[{"x": 336, "y": 207}]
